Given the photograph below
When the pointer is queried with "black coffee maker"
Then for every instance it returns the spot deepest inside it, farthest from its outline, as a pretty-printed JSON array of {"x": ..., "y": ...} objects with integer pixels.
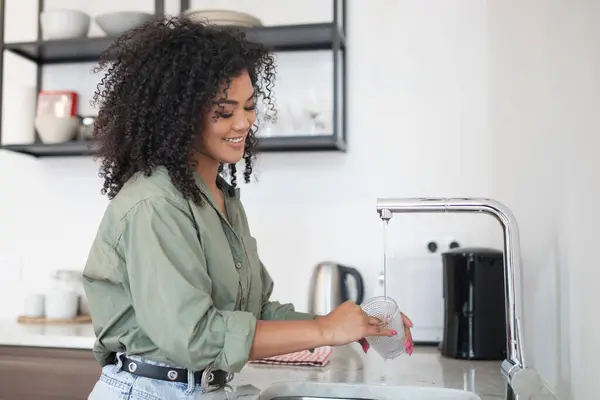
[{"x": 474, "y": 310}]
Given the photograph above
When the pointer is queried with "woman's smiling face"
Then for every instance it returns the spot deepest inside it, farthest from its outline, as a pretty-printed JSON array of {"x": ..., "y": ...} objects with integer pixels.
[{"x": 224, "y": 139}]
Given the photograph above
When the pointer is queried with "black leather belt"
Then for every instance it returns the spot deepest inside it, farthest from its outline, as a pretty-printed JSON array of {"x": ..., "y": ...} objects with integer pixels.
[{"x": 208, "y": 378}]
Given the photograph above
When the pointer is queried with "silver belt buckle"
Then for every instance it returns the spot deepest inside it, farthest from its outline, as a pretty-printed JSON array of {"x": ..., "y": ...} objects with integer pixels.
[{"x": 207, "y": 379}]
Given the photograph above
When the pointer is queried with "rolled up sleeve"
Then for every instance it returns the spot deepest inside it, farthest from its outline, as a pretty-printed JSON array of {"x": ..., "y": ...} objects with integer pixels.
[
  {"x": 273, "y": 310},
  {"x": 172, "y": 292}
]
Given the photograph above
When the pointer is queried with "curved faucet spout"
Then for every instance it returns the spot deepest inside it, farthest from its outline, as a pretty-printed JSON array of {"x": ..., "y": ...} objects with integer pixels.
[{"x": 519, "y": 376}]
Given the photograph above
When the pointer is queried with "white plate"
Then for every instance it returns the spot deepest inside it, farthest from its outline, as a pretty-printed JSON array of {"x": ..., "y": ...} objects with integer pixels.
[
  {"x": 230, "y": 23},
  {"x": 224, "y": 17}
]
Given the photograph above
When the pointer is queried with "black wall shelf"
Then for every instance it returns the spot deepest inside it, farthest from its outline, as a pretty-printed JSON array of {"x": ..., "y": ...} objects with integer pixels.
[
  {"x": 279, "y": 38},
  {"x": 73, "y": 148},
  {"x": 61, "y": 51},
  {"x": 266, "y": 145},
  {"x": 302, "y": 37}
]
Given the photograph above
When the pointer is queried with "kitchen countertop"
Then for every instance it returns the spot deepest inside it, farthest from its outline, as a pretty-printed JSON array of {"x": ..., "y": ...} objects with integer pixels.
[
  {"x": 425, "y": 368},
  {"x": 74, "y": 336}
]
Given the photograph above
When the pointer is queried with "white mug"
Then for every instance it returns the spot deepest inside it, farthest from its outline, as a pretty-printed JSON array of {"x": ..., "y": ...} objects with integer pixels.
[
  {"x": 34, "y": 306},
  {"x": 62, "y": 304}
]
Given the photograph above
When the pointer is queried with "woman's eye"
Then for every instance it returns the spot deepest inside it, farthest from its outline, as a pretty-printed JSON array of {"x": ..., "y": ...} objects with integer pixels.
[{"x": 230, "y": 114}]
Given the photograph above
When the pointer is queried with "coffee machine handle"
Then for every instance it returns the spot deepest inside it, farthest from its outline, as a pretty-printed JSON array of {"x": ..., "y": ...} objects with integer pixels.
[{"x": 360, "y": 286}]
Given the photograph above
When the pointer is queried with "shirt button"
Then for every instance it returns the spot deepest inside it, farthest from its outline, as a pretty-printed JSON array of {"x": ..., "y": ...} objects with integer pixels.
[{"x": 238, "y": 265}]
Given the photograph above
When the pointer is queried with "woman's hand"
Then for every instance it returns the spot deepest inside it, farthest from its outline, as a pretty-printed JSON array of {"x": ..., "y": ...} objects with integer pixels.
[
  {"x": 408, "y": 343},
  {"x": 348, "y": 323}
]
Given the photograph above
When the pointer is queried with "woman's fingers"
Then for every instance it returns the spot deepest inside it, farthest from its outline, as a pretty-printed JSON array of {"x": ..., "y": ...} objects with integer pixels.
[
  {"x": 378, "y": 330},
  {"x": 408, "y": 342},
  {"x": 364, "y": 344},
  {"x": 374, "y": 321},
  {"x": 406, "y": 320}
]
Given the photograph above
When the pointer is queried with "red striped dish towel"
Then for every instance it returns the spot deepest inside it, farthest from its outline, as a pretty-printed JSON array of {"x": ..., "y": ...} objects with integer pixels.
[{"x": 318, "y": 358}]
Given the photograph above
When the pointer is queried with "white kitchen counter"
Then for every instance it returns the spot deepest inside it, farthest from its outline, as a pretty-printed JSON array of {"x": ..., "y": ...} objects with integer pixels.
[
  {"x": 75, "y": 336},
  {"x": 426, "y": 367},
  {"x": 348, "y": 365}
]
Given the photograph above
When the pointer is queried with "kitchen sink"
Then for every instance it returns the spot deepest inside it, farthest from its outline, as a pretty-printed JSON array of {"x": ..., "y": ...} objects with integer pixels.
[
  {"x": 346, "y": 391},
  {"x": 315, "y": 398}
]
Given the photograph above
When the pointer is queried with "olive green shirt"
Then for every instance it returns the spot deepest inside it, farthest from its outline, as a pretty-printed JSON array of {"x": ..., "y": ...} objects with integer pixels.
[{"x": 176, "y": 282}]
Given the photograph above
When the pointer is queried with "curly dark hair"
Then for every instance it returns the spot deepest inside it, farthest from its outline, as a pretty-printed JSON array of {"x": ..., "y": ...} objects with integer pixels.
[{"x": 159, "y": 84}]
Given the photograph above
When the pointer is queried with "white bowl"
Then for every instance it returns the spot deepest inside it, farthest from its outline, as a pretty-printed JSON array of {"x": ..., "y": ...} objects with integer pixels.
[
  {"x": 64, "y": 24},
  {"x": 117, "y": 23},
  {"x": 56, "y": 130}
]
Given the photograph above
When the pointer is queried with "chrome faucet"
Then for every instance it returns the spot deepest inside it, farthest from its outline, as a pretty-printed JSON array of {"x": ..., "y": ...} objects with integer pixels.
[{"x": 524, "y": 381}]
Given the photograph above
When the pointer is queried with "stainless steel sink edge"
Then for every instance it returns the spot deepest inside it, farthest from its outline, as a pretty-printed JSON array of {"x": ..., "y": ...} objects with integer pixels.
[{"x": 345, "y": 391}]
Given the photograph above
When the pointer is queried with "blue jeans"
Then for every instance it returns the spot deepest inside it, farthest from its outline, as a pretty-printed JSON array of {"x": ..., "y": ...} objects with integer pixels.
[{"x": 115, "y": 384}]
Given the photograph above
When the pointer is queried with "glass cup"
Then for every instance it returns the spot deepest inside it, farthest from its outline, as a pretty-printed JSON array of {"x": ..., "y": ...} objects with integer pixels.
[{"x": 386, "y": 309}]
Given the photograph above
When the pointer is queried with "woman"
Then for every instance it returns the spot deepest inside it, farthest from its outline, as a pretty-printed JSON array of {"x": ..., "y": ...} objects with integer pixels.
[{"x": 177, "y": 292}]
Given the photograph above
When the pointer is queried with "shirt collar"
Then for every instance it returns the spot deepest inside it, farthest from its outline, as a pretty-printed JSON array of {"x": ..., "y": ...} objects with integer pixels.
[{"x": 228, "y": 190}]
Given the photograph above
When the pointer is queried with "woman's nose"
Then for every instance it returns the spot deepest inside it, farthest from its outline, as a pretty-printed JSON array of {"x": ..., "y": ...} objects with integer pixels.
[{"x": 242, "y": 123}]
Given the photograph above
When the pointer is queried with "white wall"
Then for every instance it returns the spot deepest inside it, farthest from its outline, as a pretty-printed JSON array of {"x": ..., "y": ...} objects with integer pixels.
[
  {"x": 543, "y": 86},
  {"x": 439, "y": 94},
  {"x": 417, "y": 121}
]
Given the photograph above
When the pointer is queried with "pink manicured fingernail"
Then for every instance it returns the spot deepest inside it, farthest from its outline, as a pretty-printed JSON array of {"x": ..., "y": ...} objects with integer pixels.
[
  {"x": 394, "y": 333},
  {"x": 365, "y": 347},
  {"x": 410, "y": 351},
  {"x": 407, "y": 344}
]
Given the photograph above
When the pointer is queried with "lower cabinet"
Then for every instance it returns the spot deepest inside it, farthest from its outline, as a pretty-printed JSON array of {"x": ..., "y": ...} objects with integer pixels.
[{"x": 46, "y": 373}]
